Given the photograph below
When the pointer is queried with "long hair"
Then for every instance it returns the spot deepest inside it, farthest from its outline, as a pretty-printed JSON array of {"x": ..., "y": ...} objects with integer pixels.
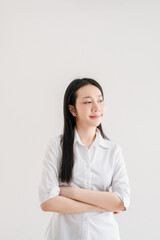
[{"x": 67, "y": 138}]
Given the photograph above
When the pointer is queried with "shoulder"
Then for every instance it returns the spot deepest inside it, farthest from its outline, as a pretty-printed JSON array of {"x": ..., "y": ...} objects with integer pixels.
[
  {"x": 55, "y": 140},
  {"x": 115, "y": 152},
  {"x": 55, "y": 143},
  {"x": 111, "y": 145}
]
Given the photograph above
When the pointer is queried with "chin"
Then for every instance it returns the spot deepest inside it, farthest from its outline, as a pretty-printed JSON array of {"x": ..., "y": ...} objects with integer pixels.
[{"x": 96, "y": 124}]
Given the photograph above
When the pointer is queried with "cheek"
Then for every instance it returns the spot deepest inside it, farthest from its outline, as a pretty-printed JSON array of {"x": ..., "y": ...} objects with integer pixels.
[
  {"x": 83, "y": 111},
  {"x": 102, "y": 109},
  {"x": 102, "y": 106},
  {"x": 86, "y": 111}
]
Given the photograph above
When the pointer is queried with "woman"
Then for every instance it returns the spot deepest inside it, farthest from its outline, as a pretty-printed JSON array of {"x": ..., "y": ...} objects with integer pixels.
[{"x": 79, "y": 169}]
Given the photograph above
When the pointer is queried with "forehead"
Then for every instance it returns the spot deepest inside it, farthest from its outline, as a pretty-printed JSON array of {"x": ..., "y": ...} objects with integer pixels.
[{"x": 88, "y": 90}]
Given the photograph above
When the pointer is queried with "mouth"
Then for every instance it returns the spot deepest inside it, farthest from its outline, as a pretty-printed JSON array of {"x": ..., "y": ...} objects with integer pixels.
[{"x": 95, "y": 116}]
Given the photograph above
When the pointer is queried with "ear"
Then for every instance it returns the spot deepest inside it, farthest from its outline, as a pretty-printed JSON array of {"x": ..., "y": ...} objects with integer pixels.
[{"x": 72, "y": 110}]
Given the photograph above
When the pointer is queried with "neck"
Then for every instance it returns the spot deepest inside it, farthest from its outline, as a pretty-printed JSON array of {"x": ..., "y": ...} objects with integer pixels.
[{"x": 87, "y": 135}]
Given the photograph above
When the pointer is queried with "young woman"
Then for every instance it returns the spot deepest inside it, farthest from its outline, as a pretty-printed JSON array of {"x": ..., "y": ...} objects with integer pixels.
[{"x": 84, "y": 179}]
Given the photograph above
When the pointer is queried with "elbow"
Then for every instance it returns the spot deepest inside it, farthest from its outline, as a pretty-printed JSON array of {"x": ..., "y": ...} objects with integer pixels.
[
  {"x": 121, "y": 206},
  {"x": 49, "y": 205},
  {"x": 43, "y": 207},
  {"x": 122, "y": 202}
]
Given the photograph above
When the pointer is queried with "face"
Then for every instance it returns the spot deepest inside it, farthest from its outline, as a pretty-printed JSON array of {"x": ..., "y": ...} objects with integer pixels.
[{"x": 89, "y": 106}]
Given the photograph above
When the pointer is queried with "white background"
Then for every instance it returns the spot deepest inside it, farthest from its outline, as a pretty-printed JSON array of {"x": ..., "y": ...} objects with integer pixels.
[{"x": 44, "y": 45}]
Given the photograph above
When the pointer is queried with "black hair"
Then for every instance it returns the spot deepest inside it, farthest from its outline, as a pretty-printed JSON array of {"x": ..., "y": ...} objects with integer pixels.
[{"x": 67, "y": 138}]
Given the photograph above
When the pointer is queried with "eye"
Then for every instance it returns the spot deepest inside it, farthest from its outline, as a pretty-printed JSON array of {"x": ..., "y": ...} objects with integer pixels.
[
  {"x": 87, "y": 102},
  {"x": 101, "y": 100}
]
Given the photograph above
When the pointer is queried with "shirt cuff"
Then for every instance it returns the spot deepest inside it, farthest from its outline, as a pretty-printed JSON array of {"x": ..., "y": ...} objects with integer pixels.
[
  {"x": 44, "y": 196},
  {"x": 125, "y": 199}
]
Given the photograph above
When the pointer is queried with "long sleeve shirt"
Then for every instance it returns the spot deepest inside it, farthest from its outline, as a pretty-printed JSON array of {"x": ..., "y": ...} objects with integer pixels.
[{"x": 99, "y": 168}]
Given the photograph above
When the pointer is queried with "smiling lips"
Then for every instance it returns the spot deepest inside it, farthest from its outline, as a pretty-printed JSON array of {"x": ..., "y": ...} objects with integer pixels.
[{"x": 95, "y": 117}]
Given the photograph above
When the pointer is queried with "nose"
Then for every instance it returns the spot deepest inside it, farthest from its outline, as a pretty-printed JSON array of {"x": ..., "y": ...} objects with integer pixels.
[{"x": 95, "y": 107}]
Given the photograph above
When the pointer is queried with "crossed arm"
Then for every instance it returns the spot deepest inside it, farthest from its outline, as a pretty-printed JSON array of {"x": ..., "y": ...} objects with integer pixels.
[
  {"x": 106, "y": 200},
  {"x": 76, "y": 200}
]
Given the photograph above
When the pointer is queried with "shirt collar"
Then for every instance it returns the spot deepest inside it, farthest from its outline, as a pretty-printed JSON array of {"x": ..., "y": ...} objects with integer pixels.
[{"x": 99, "y": 140}]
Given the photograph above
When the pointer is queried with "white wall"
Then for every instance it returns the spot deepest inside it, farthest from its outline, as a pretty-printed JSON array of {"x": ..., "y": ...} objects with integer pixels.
[{"x": 46, "y": 44}]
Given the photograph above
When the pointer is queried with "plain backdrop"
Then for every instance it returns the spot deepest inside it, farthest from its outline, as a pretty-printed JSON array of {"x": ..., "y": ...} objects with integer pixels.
[{"x": 44, "y": 45}]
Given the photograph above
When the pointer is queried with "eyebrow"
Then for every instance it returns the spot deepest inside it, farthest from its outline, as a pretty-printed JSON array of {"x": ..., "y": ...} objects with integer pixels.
[{"x": 91, "y": 97}]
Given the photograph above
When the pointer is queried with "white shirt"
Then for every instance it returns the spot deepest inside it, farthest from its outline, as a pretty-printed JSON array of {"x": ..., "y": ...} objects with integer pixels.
[{"x": 100, "y": 168}]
